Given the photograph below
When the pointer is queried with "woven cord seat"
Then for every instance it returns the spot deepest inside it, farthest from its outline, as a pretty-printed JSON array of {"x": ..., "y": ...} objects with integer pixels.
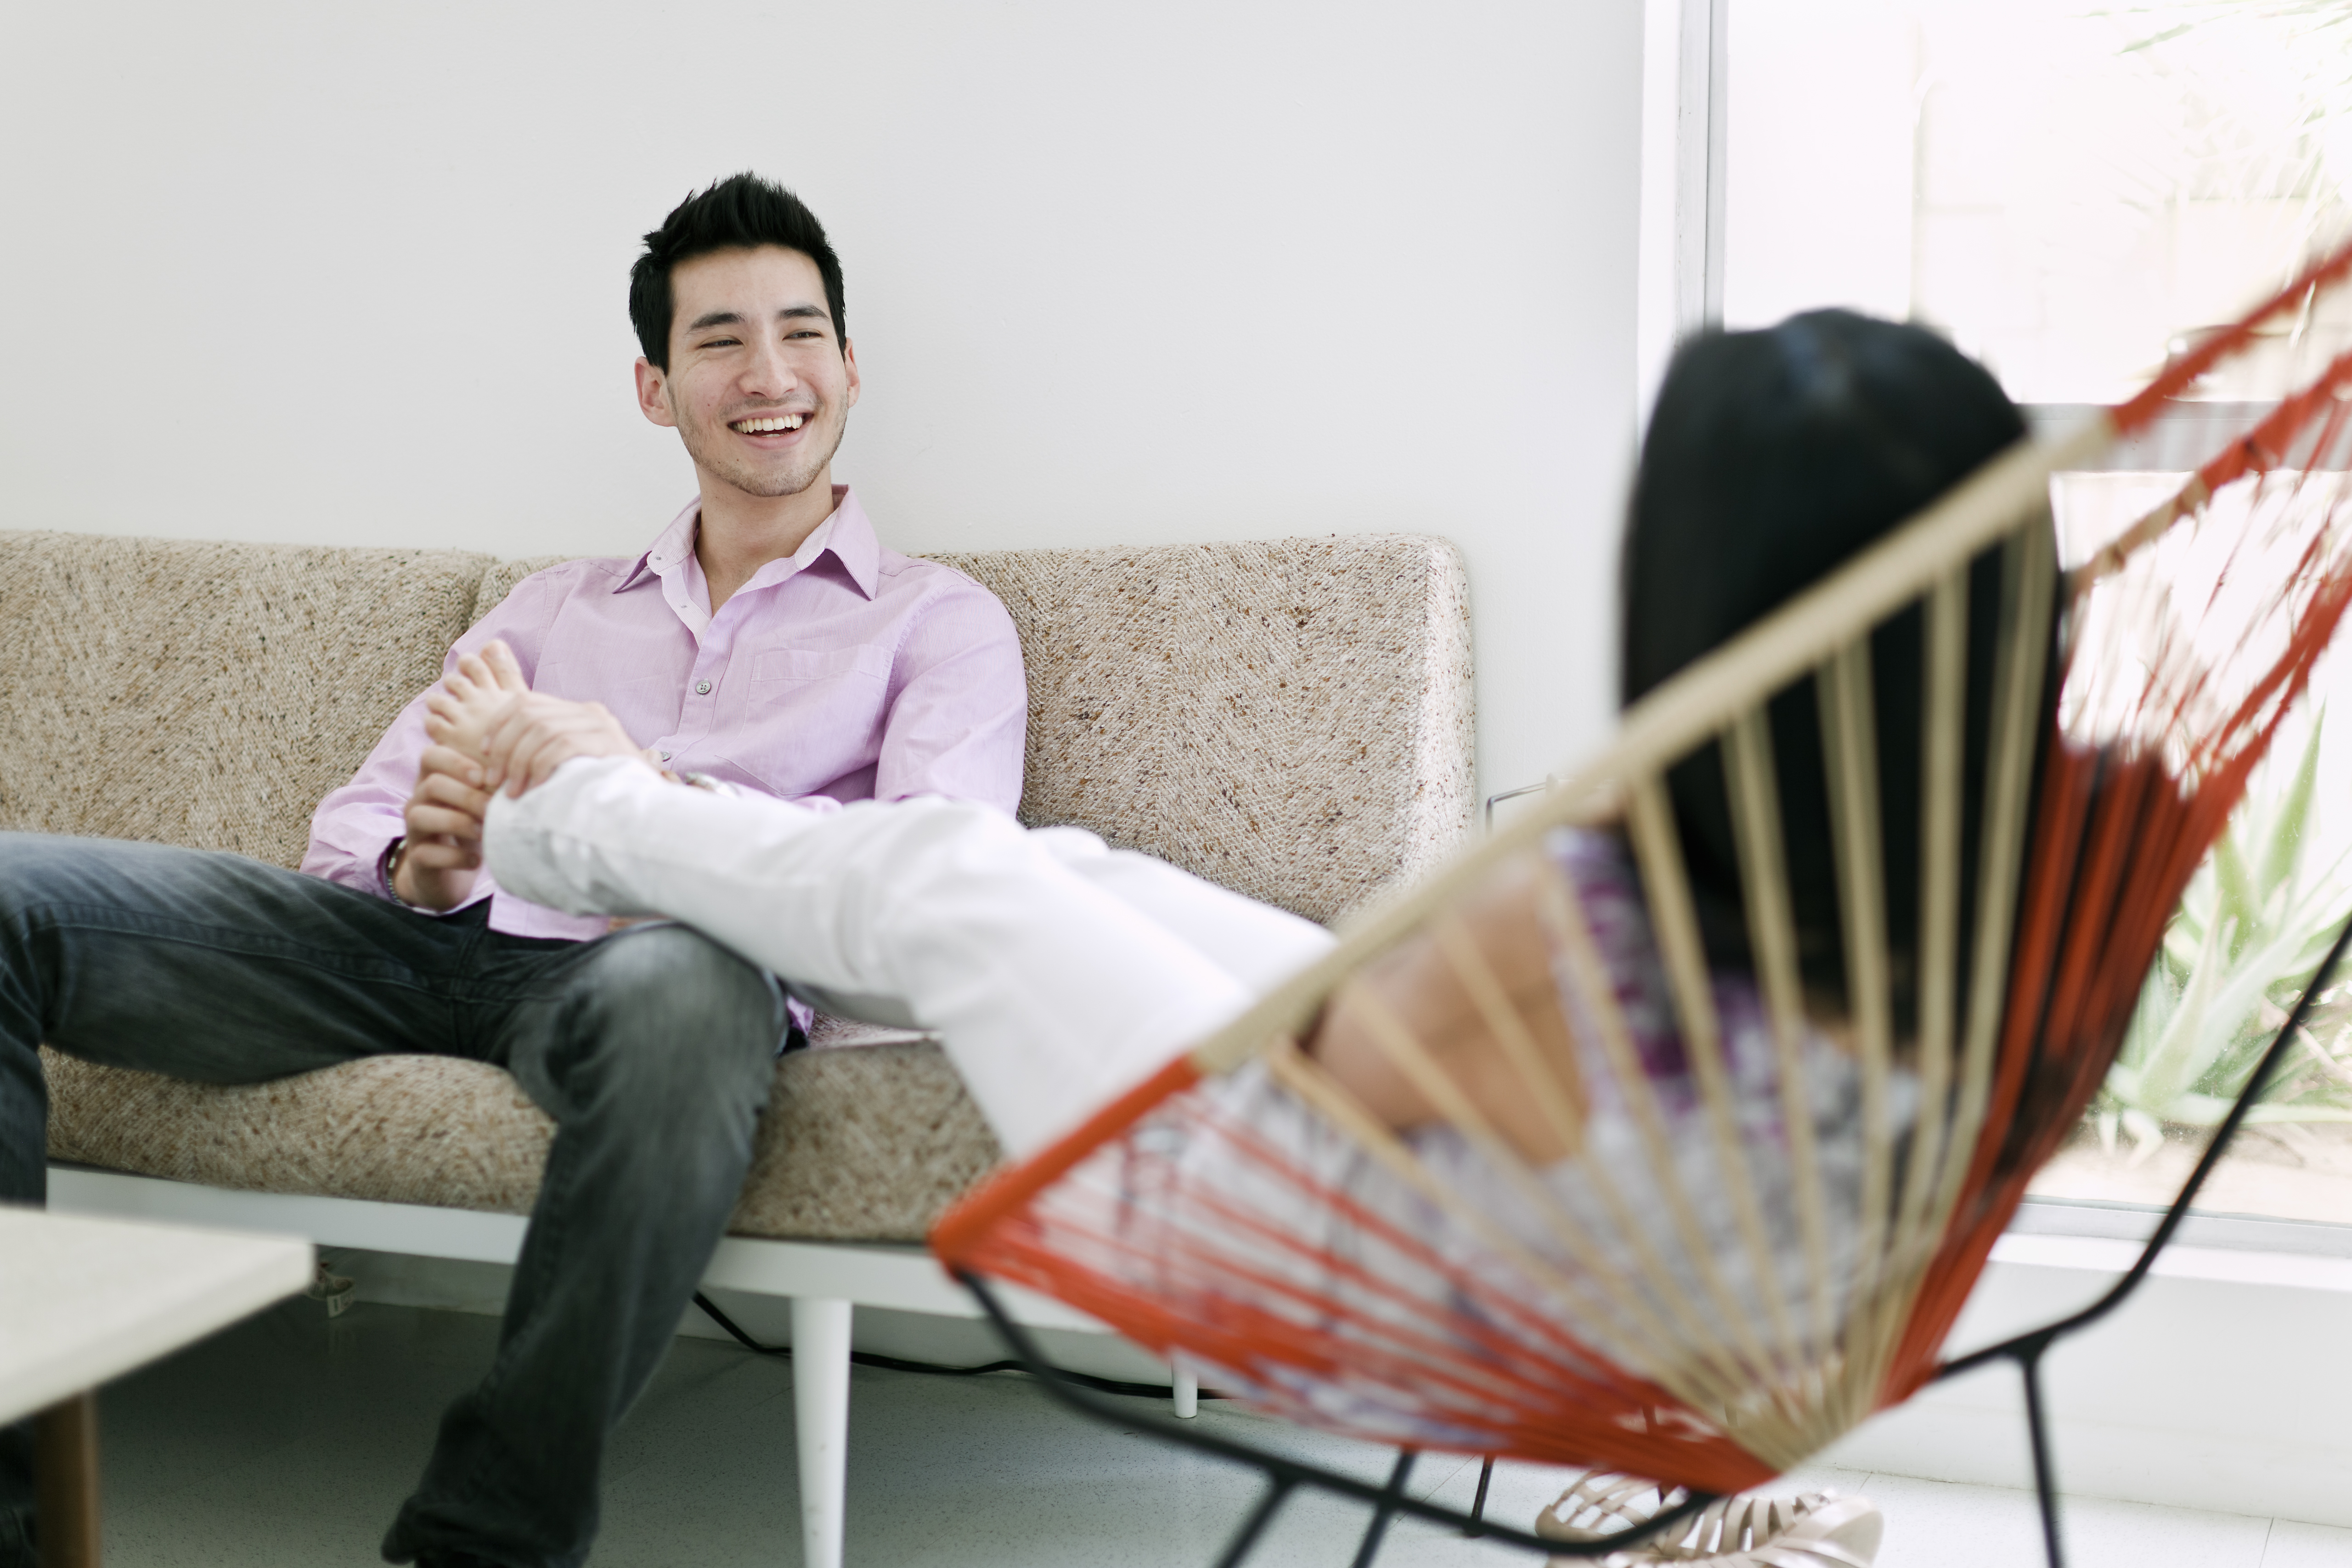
[{"x": 1759, "y": 1192}]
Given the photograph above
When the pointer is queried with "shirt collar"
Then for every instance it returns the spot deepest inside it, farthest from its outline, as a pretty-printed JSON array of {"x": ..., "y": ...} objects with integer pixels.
[
  {"x": 847, "y": 533},
  {"x": 669, "y": 549}
]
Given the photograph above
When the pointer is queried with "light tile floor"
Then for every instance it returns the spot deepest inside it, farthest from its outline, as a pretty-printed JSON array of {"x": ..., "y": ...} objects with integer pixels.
[{"x": 291, "y": 1439}]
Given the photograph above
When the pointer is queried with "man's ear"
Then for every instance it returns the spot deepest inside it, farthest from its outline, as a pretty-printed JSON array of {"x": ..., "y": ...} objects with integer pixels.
[
  {"x": 849, "y": 362},
  {"x": 653, "y": 393}
]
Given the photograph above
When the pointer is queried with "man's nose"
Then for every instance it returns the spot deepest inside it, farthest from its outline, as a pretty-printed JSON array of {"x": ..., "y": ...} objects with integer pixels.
[{"x": 770, "y": 372}]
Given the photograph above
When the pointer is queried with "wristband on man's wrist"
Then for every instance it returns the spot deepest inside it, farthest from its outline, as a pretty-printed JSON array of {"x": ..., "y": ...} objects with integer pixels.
[{"x": 390, "y": 870}]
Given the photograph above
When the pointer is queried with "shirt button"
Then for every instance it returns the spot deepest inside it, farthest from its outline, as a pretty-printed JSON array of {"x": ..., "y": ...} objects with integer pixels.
[
  {"x": 702, "y": 688},
  {"x": 665, "y": 756}
]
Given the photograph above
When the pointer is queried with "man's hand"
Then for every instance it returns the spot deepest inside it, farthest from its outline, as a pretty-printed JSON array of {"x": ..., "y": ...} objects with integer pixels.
[
  {"x": 487, "y": 728},
  {"x": 443, "y": 822},
  {"x": 443, "y": 815}
]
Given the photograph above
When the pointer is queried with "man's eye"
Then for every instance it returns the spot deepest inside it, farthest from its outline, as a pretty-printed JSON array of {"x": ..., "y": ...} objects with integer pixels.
[{"x": 719, "y": 342}]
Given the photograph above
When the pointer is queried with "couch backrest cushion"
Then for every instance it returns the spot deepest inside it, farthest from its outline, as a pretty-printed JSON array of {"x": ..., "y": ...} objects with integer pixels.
[
  {"x": 206, "y": 694},
  {"x": 1289, "y": 718}
]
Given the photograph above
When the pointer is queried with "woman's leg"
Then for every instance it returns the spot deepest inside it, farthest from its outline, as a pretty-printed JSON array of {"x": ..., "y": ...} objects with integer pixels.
[
  {"x": 1257, "y": 944},
  {"x": 1043, "y": 963}
]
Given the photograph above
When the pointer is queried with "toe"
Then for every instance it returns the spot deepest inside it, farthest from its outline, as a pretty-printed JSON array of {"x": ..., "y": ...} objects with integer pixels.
[{"x": 504, "y": 671}]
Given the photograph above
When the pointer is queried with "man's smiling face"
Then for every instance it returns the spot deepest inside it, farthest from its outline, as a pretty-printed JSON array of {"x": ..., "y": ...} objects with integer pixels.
[{"x": 758, "y": 385}]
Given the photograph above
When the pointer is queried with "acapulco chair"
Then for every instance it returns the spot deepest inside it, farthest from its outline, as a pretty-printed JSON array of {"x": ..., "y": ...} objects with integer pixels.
[{"x": 1762, "y": 1230}]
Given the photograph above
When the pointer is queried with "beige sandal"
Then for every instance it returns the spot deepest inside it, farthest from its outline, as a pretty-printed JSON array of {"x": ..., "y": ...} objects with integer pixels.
[{"x": 1816, "y": 1530}]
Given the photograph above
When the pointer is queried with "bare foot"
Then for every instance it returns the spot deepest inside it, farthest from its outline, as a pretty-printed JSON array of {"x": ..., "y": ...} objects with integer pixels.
[
  {"x": 461, "y": 711},
  {"x": 1409, "y": 1031},
  {"x": 489, "y": 726}
]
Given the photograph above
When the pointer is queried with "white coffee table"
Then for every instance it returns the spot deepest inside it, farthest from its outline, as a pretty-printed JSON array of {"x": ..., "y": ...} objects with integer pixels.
[{"x": 85, "y": 1300}]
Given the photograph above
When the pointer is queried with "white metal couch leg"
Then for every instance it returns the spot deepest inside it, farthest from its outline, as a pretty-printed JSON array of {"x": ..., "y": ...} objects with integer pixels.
[
  {"x": 1187, "y": 1391},
  {"x": 821, "y": 1423}
]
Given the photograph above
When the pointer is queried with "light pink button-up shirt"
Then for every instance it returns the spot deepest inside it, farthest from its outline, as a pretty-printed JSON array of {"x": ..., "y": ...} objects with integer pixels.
[{"x": 843, "y": 672}]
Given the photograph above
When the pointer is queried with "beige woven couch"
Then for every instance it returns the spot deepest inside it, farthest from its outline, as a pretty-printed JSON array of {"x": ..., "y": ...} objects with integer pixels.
[
  {"x": 1289, "y": 718},
  {"x": 1292, "y": 720}
]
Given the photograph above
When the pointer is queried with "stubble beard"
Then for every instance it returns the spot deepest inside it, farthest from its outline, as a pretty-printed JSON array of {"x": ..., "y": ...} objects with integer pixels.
[{"x": 752, "y": 478}]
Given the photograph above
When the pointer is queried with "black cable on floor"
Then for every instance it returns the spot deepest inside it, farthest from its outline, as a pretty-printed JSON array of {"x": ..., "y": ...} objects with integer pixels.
[{"x": 935, "y": 1369}]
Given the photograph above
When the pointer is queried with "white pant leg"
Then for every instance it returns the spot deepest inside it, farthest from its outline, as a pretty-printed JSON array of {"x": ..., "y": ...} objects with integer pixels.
[
  {"x": 1257, "y": 944},
  {"x": 1051, "y": 994}
]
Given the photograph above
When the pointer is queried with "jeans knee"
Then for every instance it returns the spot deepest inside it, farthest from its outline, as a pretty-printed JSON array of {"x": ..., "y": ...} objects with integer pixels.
[
  {"x": 48, "y": 871},
  {"x": 28, "y": 863},
  {"x": 680, "y": 1016}
]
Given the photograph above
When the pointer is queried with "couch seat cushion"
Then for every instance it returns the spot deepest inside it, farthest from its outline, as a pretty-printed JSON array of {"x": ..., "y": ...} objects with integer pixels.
[{"x": 864, "y": 1144}]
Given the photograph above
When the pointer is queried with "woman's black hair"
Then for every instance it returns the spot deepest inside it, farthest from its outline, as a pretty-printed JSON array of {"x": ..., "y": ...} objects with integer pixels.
[{"x": 1772, "y": 459}]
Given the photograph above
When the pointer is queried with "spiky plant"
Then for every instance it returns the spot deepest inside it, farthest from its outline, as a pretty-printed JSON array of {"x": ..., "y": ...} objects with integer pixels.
[{"x": 2249, "y": 934}]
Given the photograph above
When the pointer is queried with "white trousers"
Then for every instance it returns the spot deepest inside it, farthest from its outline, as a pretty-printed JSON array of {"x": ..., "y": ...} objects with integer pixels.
[{"x": 1057, "y": 972}]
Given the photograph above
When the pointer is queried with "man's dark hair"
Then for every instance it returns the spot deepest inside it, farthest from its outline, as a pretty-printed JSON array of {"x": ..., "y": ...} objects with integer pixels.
[
  {"x": 740, "y": 211},
  {"x": 1773, "y": 458}
]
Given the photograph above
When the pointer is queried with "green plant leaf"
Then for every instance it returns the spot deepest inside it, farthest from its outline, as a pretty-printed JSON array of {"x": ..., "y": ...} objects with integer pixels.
[
  {"x": 2185, "y": 1049},
  {"x": 2241, "y": 906},
  {"x": 2294, "y": 808}
]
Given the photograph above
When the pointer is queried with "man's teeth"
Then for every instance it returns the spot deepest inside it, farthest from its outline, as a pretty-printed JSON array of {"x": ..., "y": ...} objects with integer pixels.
[{"x": 771, "y": 426}]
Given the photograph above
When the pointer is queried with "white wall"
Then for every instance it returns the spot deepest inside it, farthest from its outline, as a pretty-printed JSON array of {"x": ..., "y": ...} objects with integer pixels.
[
  {"x": 2217, "y": 1387},
  {"x": 1116, "y": 272}
]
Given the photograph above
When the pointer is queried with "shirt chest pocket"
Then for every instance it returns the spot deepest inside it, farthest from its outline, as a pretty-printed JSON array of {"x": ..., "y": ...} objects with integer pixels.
[{"x": 798, "y": 666}]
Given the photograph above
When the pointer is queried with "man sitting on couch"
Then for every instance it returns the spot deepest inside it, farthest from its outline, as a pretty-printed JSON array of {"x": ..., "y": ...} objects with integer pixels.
[{"x": 766, "y": 641}]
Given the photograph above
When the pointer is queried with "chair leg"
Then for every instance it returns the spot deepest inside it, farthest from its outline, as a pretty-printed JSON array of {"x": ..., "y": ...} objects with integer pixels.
[
  {"x": 1245, "y": 1539},
  {"x": 64, "y": 1479},
  {"x": 1385, "y": 1510},
  {"x": 821, "y": 1423},
  {"x": 2046, "y": 1479},
  {"x": 1186, "y": 1393},
  {"x": 1478, "y": 1504}
]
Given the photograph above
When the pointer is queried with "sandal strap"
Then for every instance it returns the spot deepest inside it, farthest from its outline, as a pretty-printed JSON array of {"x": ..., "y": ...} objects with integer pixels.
[{"x": 1810, "y": 1530}]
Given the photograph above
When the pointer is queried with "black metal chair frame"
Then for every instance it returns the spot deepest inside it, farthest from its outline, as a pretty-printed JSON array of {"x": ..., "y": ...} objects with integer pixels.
[{"x": 1387, "y": 1501}]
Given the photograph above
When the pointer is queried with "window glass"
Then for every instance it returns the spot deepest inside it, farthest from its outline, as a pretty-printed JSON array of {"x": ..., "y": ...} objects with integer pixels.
[
  {"x": 2252, "y": 928},
  {"x": 2067, "y": 191},
  {"x": 2071, "y": 193}
]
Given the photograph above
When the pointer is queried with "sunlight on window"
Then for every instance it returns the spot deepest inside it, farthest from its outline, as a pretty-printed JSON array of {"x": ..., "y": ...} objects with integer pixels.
[{"x": 2067, "y": 190}]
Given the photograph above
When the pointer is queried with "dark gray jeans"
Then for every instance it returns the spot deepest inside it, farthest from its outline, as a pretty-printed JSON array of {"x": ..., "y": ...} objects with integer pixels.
[{"x": 652, "y": 1048}]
